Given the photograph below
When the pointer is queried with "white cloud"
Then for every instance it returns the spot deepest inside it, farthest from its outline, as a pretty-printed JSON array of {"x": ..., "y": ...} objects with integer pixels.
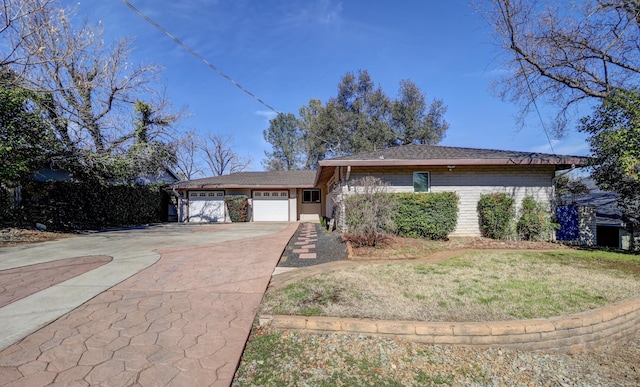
[
  {"x": 497, "y": 72},
  {"x": 577, "y": 147},
  {"x": 267, "y": 114},
  {"x": 315, "y": 12}
]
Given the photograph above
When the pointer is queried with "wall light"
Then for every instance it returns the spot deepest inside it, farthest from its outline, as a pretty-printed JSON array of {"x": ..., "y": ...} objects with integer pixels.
[{"x": 450, "y": 167}]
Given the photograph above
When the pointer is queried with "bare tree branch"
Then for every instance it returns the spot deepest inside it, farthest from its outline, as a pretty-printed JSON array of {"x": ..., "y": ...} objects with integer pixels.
[
  {"x": 187, "y": 156},
  {"x": 91, "y": 82},
  {"x": 564, "y": 52},
  {"x": 220, "y": 156},
  {"x": 13, "y": 32}
]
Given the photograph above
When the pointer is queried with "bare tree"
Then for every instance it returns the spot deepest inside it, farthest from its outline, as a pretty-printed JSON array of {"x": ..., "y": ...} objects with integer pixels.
[
  {"x": 93, "y": 85},
  {"x": 212, "y": 152},
  {"x": 187, "y": 157},
  {"x": 566, "y": 52},
  {"x": 220, "y": 156},
  {"x": 13, "y": 31}
]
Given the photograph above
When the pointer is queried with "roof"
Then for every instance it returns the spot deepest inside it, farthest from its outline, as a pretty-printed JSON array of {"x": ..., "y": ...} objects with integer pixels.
[
  {"x": 431, "y": 155},
  {"x": 268, "y": 179}
]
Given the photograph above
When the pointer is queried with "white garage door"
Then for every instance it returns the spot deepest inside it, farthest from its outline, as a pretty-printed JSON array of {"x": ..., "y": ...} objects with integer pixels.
[
  {"x": 206, "y": 206},
  {"x": 270, "y": 206}
]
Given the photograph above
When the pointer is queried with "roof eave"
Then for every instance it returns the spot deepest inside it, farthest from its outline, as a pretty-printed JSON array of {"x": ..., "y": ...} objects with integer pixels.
[
  {"x": 240, "y": 186},
  {"x": 571, "y": 160},
  {"x": 562, "y": 162}
]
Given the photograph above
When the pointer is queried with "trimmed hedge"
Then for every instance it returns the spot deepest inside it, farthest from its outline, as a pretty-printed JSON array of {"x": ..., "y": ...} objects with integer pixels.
[
  {"x": 238, "y": 207},
  {"x": 432, "y": 215},
  {"x": 6, "y": 205},
  {"x": 497, "y": 213},
  {"x": 82, "y": 206}
]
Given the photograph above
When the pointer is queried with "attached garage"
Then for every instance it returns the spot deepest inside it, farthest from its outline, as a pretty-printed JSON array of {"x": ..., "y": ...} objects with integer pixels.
[
  {"x": 272, "y": 196},
  {"x": 271, "y": 206},
  {"x": 206, "y": 206}
]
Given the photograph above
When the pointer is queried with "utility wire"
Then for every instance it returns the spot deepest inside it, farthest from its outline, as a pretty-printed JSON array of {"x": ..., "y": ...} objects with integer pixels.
[
  {"x": 533, "y": 99},
  {"x": 535, "y": 104},
  {"x": 192, "y": 52}
]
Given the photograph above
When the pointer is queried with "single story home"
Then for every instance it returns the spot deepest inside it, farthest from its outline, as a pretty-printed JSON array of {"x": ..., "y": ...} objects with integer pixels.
[{"x": 300, "y": 195}]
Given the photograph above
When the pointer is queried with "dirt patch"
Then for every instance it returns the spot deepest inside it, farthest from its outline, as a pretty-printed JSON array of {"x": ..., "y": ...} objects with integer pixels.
[{"x": 19, "y": 236}]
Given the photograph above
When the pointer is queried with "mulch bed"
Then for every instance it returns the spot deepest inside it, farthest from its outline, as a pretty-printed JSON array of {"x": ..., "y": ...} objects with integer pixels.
[{"x": 329, "y": 247}]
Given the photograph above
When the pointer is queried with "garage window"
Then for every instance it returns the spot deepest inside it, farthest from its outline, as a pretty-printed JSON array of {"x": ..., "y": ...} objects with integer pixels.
[{"x": 310, "y": 196}]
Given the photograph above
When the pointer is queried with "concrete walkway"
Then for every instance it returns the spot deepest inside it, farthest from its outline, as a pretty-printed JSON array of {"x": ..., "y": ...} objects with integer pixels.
[{"x": 182, "y": 320}]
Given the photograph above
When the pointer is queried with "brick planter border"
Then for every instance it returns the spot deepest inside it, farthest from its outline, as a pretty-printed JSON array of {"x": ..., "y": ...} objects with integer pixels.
[{"x": 574, "y": 333}]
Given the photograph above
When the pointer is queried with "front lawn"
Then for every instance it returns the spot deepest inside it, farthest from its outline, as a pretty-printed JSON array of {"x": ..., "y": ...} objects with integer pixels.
[{"x": 477, "y": 286}]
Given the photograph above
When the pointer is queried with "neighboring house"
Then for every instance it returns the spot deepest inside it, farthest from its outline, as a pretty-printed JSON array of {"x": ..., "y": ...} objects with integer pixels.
[
  {"x": 273, "y": 196},
  {"x": 300, "y": 195},
  {"x": 610, "y": 227},
  {"x": 468, "y": 172}
]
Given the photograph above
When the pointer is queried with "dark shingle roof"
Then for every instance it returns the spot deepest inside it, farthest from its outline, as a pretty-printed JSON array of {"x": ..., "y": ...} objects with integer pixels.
[
  {"x": 269, "y": 179},
  {"x": 435, "y": 152},
  {"x": 435, "y": 155}
]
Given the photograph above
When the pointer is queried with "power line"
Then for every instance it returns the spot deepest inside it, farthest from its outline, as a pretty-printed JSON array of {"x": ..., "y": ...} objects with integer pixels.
[
  {"x": 535, "y": 104},
  {"x": 192, "y": 52},
  {"x": 533, "y": 98}
]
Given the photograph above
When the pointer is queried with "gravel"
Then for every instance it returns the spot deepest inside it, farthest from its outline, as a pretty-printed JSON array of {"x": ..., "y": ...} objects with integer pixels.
[
  {"x": 333, "y": 359},
  {"x": 329, "y": 248}
]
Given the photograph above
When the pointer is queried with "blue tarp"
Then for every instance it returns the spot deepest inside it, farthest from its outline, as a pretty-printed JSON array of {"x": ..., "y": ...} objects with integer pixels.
[{"x": 567, "y": 216}]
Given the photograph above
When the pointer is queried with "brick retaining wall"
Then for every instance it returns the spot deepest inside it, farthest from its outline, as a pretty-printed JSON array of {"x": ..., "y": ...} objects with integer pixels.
[{"x": 573, "y": 333}]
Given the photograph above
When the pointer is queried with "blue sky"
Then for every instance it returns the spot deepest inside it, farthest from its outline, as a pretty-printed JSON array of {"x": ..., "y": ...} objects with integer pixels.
[{"x": 287, "y": 52}]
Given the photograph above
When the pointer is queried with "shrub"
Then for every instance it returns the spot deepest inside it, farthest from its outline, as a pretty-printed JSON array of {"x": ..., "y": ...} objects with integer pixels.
[
  {"x": 6, "y": 205},
  {"x": 369, "y": 211},
  {"x": 535, "y": 223},
  {"x": 70, "y": 205},
  {"x": 496, "y": 215},
  {"x": 238, "y": 207},
  {"x": 426, "y": 215}
]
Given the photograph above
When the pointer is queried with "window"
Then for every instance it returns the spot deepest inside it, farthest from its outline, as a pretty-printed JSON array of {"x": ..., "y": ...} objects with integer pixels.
[
  {"x": 421, "y": 182},
  {"x": 310, "y": 196},
  {"x": 284, "y": 194}
]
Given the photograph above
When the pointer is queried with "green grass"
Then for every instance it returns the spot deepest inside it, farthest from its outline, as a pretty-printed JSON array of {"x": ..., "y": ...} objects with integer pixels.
[
  {"x": 425, "y": 379},
  {"x": 276, "y": 359},
  {"x": 477, "y": 286}
]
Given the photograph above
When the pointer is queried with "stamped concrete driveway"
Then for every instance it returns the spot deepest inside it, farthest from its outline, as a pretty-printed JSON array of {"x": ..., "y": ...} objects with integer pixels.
[{"x": 174, "y": 306}]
